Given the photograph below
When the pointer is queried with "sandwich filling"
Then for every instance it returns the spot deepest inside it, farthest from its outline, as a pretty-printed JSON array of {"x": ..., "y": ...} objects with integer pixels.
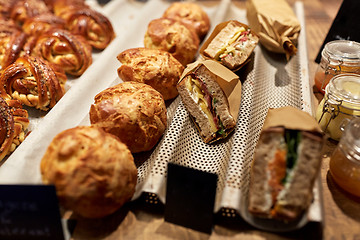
[
  {"x": 201, "y": 95},
  {"x": 233, "y": 45},
  {"x": 280, "y": 168}
]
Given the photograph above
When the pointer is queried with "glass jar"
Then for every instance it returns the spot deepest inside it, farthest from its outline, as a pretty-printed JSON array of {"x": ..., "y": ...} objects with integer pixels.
[
  {"x": 339, "y": 56},
  {"x": 345, "y": 161},
  {"x": 341, "y": 103}
]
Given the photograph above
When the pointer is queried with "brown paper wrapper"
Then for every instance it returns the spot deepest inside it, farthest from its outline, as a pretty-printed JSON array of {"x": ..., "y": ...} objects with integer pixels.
[
  {"x": 228, "y": 81},
  {"x": 291, "y": 118},
  {"x": 276, "y": 24},
  {"x": 215, "y": 32}
]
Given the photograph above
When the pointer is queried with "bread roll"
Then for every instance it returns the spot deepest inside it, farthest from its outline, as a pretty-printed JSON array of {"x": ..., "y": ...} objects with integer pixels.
[
  {"x": 189, "y": 13},
  {"x": 134, "y": 112},
  {"x": 174, "y": 37},
  {"x": 93, "y": 171},
  {"x": 156, "y": 68}
]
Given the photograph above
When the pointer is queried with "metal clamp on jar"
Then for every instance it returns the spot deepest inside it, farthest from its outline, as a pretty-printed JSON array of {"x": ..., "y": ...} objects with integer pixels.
[
  {"x": 341, "y": 103},
  {"x": 339, "y": 56}
]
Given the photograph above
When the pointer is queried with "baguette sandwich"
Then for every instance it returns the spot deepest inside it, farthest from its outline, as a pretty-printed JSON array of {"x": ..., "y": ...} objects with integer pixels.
[
  {"x": 285, "y": 166},
  {"x": 207, "y": 104},
  {"x": 231, "y": 43}
]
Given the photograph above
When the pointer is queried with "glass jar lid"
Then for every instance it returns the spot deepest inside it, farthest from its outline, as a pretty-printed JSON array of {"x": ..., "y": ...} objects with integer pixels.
[
  {"x": 345, "y": 88},
  {"x": 343, "y": 52}
]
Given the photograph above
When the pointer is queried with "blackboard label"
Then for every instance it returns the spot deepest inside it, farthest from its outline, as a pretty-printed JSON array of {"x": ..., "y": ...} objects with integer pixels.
[
  {"x": 190, "y": 197},
  {"x": 29, "y": 212},
  {"x": 345, "y": 25}
]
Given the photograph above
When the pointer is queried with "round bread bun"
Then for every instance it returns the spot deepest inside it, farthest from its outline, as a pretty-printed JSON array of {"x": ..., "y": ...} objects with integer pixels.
[
  {"x": 189, "y": 13},
  {"x": 154, "y": 67},
  {"x": 134, "y": 112},
  {"x": 93, "y": 171},
  {"x": 174, "y": 37}
]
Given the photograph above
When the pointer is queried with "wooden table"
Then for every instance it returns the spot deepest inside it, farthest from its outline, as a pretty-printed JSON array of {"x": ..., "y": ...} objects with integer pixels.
[{"x": 341, "y": 212}]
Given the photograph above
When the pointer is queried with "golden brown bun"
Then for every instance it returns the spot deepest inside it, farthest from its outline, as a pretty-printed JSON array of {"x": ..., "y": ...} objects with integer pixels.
[
  {"x": 174, "y": 37},
  {"x": 154, "y": 67},
  {"x": 134, "y": 112},
  {"x": 189, "y": 13},
  {"x": 93, "y": 171}
]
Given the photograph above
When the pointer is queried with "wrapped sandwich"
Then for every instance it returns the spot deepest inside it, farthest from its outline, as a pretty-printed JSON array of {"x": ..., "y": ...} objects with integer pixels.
[
  {"x": 286, "y": 163},
  {"x": 231, "y": 43},
  {"x": 211, "y": 94},
  {"x": 276, "y": 24}
]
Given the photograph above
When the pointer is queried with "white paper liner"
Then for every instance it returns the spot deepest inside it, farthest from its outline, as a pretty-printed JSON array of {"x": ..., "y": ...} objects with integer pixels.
[{"x": 268, "y": 81}]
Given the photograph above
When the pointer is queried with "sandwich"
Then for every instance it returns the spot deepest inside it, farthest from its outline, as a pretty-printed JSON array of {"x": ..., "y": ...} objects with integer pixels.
[
  {"x": 284, "y": 169},
  {"x": 231, "y": 43},
  {"x": 207, "y": 103}
]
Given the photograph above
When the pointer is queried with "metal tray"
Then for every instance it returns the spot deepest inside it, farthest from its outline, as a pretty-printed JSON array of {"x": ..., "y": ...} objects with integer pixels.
[{"x": 268, "y": 81}]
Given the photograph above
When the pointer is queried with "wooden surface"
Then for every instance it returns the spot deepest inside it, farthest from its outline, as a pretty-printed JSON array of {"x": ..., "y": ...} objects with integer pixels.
[{"x": 341, "y": 212}]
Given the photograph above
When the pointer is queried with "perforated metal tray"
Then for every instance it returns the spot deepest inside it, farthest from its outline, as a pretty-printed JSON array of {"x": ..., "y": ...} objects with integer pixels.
[{"x": 269, "y": 80}]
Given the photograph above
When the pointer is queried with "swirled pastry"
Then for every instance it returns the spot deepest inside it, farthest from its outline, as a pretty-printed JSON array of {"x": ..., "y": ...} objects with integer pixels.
[
  {"x": 13, "y": 124},
  {"x": 60, "y": 6},
  {"x": 24, "y": 9},
  {"x": 189, "y": 13},
  {"x": 33, "y": 82},
  {"x": 134, "y": 112},
  {"x": 71, "y": 52},
  {"x": 154, "y": 67},
  {"x": 12, "y": 41},
  {"x": 92, "y": 25},
  {"x": 174, "y": 37},
  {"x": 41, "y": 23},
  {"x": 93, "y": 171},
  {"x": 5, "y": 7}
]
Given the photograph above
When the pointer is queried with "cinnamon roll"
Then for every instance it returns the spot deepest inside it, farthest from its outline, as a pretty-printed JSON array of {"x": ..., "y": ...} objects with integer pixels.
[
  {"x": 33, "y": 82},
  {"x": 13, "y": 124},
  {"x": 41, "y": 23},
  {"x": 92, "y": 25},
  {"x": 71, "y": 52},
  {"x": 12, "y": 41}
]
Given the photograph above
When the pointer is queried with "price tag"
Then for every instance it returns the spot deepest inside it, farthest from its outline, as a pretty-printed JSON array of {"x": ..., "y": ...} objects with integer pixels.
[
  {"x": 29, "y": 212},
  {"x": 345, "y": 25},
  {"x": 190, "y": 197}
]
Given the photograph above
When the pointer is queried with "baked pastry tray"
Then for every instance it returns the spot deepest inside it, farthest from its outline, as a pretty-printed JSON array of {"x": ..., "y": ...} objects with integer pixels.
[{"x": 268, "y": 81}]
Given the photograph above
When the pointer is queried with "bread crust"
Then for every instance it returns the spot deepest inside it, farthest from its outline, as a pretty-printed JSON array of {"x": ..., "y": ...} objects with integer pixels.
[
  {"x": 198, "y": 115},
  {"x": 154, "y": 67},
  {"x": 242, "y": 48},
  {"x": 297, "y": 193},
  {"x": 174, "y": 37},
  {"x": 93, "y": 171},
  {"x": 191, "y": 14},
  {"x": 134, "y": 112}
]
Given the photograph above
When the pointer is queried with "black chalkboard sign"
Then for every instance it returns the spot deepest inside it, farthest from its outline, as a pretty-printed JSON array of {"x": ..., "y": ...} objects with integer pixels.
[
  {"x": 29, "y": 212},
  {"x": 190, "y": 197},
  {"x": 345, "y": 25}
]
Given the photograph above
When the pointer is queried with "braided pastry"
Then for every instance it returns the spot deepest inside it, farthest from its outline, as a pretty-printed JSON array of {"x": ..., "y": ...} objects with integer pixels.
[
  {"x": 13, "y": 124},
  {"x": 33, "y": 82},
  {"x": 41, "y": 23},
  {"x": 71, "y": 52},
  {"x": 60, "y": 6},
  {"x": 24, "y": 9},
  {"x": 91, "y": 24},
  {"x": 12, "y": 41},
  {"x": 5, "y": 7}
]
